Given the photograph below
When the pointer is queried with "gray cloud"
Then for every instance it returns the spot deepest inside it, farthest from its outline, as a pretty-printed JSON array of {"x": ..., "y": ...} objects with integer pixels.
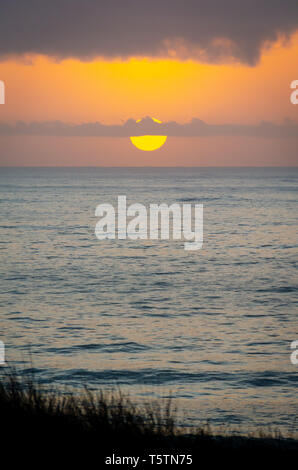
[
  {"x": 123, "y": 28},
  {"x": 195, "y": 128}
]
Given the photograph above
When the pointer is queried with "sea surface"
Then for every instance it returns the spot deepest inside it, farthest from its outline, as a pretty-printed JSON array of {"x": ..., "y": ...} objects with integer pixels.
[{"x": 212, "y": 328}]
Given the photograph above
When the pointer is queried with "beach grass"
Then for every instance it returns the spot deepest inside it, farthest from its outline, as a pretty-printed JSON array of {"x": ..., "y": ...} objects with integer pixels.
[{"x": 77, "y": 428}]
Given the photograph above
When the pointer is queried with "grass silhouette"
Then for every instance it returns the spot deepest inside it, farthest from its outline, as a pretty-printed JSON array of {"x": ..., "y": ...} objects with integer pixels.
[{"x": 65, "y": 428}]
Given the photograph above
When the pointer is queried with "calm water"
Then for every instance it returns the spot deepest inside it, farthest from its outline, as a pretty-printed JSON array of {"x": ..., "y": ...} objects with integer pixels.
[{"x": 214, "y": 326}]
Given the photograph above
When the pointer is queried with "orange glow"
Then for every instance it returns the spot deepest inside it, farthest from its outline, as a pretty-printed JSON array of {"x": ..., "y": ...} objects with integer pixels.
[
  {"x": 114, "y": 91},
  {"x": 41, "y": 89}
]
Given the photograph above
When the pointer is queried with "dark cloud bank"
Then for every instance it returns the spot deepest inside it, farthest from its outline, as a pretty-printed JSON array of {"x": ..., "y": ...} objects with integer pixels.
[
  {"x": 195, "y": 128},
  {"x": 122, "y": 28}
]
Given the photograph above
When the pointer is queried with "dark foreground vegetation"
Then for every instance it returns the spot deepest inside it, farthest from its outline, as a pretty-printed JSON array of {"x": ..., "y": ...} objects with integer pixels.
[{"x": 42, "y": 428}]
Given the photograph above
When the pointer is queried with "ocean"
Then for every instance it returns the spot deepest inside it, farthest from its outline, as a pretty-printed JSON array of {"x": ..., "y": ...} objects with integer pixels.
[{"x": 212, "y": 327}]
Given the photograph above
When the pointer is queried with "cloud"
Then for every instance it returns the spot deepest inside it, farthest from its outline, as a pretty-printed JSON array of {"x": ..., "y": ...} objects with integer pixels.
[
  {"x": 213, "y": 30},
  {"x": 196, "y": 128}
]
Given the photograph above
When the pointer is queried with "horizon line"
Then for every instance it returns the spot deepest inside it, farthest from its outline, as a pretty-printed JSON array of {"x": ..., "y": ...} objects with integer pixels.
[{"x": 149, "y": 166}]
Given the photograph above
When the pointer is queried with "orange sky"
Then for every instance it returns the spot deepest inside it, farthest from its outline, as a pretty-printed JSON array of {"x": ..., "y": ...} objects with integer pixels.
[{"x": 41, "y": 89}]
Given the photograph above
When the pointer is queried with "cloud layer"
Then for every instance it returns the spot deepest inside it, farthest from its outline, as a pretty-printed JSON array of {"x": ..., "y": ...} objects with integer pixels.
[
  {"x": 195, "y": 128},
  {"x": 213, "y": 30}
]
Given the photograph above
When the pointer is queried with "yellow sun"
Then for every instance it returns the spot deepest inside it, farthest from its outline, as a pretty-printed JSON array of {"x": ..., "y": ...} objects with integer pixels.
[{"x": 148, "y": 142}]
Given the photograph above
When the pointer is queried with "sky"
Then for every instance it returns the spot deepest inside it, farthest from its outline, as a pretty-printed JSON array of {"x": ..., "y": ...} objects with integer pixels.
[{"x": 78, "y": 74}]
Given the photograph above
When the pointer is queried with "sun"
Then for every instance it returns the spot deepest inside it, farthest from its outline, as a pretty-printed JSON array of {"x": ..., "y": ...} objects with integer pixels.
[{"x": 149, "y": 142}]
